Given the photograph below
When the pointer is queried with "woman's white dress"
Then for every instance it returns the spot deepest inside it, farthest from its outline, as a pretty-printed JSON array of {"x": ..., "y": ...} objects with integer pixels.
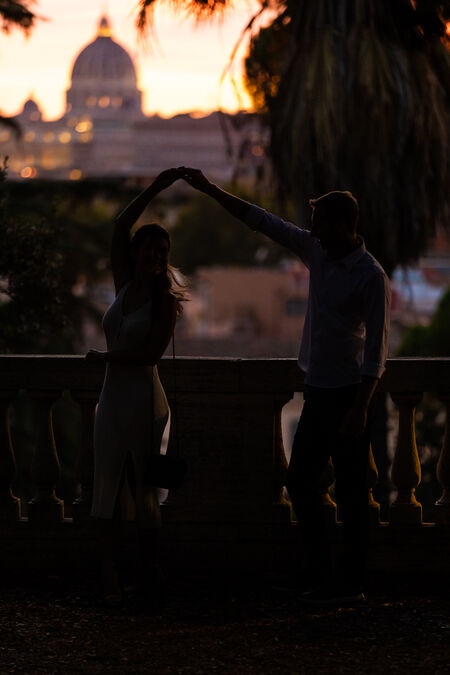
[{"x": 132, "y": 409}]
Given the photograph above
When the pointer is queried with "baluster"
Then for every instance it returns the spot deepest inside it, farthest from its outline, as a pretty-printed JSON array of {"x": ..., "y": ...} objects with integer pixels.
[
  {"x": 406, "y": 473},
  {"x": 9, "y": 504},
  {"x": 329, "y": 505},
  {"x": 442, "y": 506},
  {"x": 372, "y": 480},
  {"x": 45, "y": 468},
  {"x": 87, "y": 401},
  {"x": 280, "y": 463}
]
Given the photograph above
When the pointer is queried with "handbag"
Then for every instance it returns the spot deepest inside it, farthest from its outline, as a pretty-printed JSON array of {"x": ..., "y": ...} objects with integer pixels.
[
  {"x": 165, "y": 472},
  {"x": 160, "y": 470}
]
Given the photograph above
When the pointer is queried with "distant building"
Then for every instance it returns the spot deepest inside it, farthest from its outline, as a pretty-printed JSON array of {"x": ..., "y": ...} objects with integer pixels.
[
  {"x": 104, "y": 132},
  {"x": 253, "y": 302}
]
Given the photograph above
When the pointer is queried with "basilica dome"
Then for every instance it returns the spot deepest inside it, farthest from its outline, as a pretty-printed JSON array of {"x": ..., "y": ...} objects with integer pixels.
[
  {"x": 104, "y": 83},
  {"x": 104, "y": 59}
]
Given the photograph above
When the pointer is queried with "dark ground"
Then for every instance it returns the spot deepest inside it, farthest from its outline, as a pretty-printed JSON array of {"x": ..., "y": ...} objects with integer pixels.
[{"x": 52, "y": 625}]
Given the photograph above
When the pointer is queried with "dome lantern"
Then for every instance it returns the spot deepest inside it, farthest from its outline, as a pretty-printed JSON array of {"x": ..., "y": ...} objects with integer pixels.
[{"x": 104, "y": 27}]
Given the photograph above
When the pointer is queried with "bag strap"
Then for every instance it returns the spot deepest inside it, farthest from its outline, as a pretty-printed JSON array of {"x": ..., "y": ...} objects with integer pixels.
[{"x": 175, "y": 402}]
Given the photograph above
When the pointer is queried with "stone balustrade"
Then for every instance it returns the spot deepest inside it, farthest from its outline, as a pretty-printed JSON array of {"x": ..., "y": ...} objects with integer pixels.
[{"x": 229, "y": 425}]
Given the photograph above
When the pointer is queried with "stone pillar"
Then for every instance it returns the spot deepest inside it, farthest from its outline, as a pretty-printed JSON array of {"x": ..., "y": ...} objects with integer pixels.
[
  {"x": 9, "y": 504},
  {"x": 442, "y": 506},
  {"x": 235, "y": 459},
  {"x": 372, "y": 480},
  {"x": 406, "y": 473},
  {"x": 87, "y": 401},
  {"x": 45, "y": 507}
]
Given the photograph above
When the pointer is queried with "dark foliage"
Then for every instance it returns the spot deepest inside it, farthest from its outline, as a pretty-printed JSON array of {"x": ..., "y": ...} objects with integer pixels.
[
  {"x": 55, "y": 245},
  {"x": 431, "y": 340},
  {"x": 362, "y": 102}
]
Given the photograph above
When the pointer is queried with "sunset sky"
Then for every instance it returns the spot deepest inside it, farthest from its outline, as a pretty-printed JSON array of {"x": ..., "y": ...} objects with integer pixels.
[{"x": 181, "y": 74}]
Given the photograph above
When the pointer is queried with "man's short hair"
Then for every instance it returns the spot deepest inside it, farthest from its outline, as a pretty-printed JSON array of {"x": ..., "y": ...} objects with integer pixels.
[{"x": 338, "y": 205}]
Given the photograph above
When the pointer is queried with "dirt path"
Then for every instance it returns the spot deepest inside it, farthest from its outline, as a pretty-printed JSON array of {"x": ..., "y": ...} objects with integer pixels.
[{"x": 48, "y": 627}]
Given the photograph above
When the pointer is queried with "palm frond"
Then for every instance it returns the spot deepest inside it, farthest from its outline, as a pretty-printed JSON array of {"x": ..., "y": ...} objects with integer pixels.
[
  {"x": 16, "y": 13},
  {"x": 197, "y": 9},
  {"x": 245, "y": 31}
]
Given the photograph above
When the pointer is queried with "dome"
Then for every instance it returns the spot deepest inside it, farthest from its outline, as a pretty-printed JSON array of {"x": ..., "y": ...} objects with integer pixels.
[
  {"x": 104, "y": 59},
  {"x": 104, "y": 83}
]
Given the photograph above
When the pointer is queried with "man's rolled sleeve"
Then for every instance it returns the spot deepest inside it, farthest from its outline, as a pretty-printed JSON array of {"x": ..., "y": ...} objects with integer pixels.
[
  {"x": 292, "y": 237},
  {"x": 377, "y": 310}
]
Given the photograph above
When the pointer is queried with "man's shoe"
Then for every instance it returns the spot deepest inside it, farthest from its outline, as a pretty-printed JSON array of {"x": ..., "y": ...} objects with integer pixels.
[{"x": 331, "y": 596}]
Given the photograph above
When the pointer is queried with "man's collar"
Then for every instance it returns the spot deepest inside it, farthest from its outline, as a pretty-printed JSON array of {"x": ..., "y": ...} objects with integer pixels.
[
  {"x": 355, "y": 256},
  {"x": 350, "y": 260}
]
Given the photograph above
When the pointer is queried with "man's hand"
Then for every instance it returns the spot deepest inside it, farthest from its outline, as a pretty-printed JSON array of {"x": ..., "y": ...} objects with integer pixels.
[
  {"x": 355, "y": 420},
  {"x": 166, "y": 178},
  {"x": 94, "y": 356},
  {"x": 354, "y": 423},
  {"x": 195, "y": 178}
]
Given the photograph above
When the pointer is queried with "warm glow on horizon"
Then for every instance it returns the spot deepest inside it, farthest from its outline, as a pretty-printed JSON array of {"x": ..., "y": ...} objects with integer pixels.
[{"x": 180, "y": 73}]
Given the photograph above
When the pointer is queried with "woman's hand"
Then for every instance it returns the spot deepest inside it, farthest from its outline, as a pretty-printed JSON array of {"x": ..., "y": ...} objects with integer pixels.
[
  {"x": 195, "y": 178},
  {"x": 166, "y": 178},
  {"x": 94, "y": 356}
]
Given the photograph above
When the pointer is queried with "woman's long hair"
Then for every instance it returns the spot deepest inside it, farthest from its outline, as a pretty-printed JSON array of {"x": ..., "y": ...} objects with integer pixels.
[{"x": 165, "y": 282}]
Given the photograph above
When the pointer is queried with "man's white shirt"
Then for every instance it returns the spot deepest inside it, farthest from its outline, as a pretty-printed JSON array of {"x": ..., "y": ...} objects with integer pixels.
[{"x": 346, "y": 330}]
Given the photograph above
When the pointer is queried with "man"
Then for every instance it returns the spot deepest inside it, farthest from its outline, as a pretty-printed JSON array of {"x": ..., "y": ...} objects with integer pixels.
[{"x": 343, "y": 353}]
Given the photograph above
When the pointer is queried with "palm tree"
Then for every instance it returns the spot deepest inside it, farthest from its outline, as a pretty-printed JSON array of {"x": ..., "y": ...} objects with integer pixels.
[
  {"x": 357, "y": 96},
  {"x": 363, "y": 104},
  {"x": 15, "y": 14}
]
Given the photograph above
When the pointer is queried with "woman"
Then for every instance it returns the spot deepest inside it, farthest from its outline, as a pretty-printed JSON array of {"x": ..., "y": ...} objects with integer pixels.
[{"x": 132, "y": 412}]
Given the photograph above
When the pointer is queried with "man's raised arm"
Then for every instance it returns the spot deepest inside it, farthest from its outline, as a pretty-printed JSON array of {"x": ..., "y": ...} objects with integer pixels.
[
  {"x": 295, "y": 239},
  {"x": 237, "y": 207}
]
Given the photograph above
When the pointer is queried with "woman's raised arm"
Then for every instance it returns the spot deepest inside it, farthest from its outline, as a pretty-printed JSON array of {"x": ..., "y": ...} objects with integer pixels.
[{"x": 120, "y": 246}]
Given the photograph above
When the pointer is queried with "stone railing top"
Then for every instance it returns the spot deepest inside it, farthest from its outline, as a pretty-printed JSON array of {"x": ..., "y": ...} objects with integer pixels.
[{"x": 220, "y": 375}]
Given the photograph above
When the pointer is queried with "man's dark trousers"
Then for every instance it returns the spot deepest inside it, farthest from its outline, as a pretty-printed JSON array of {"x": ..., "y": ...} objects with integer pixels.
[{"x": 316, "y": 440}]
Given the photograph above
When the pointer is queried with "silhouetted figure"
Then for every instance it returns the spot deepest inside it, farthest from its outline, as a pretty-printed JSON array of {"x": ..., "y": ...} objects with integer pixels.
[
  {"x": 343, "y": 353},
  {"x": 133, "y": 411}
]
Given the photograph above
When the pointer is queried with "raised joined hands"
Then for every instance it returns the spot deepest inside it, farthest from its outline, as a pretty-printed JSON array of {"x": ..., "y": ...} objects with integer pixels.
[
  {"x": 194, "y": 177},
  {"x": 166, "y": 178}
]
